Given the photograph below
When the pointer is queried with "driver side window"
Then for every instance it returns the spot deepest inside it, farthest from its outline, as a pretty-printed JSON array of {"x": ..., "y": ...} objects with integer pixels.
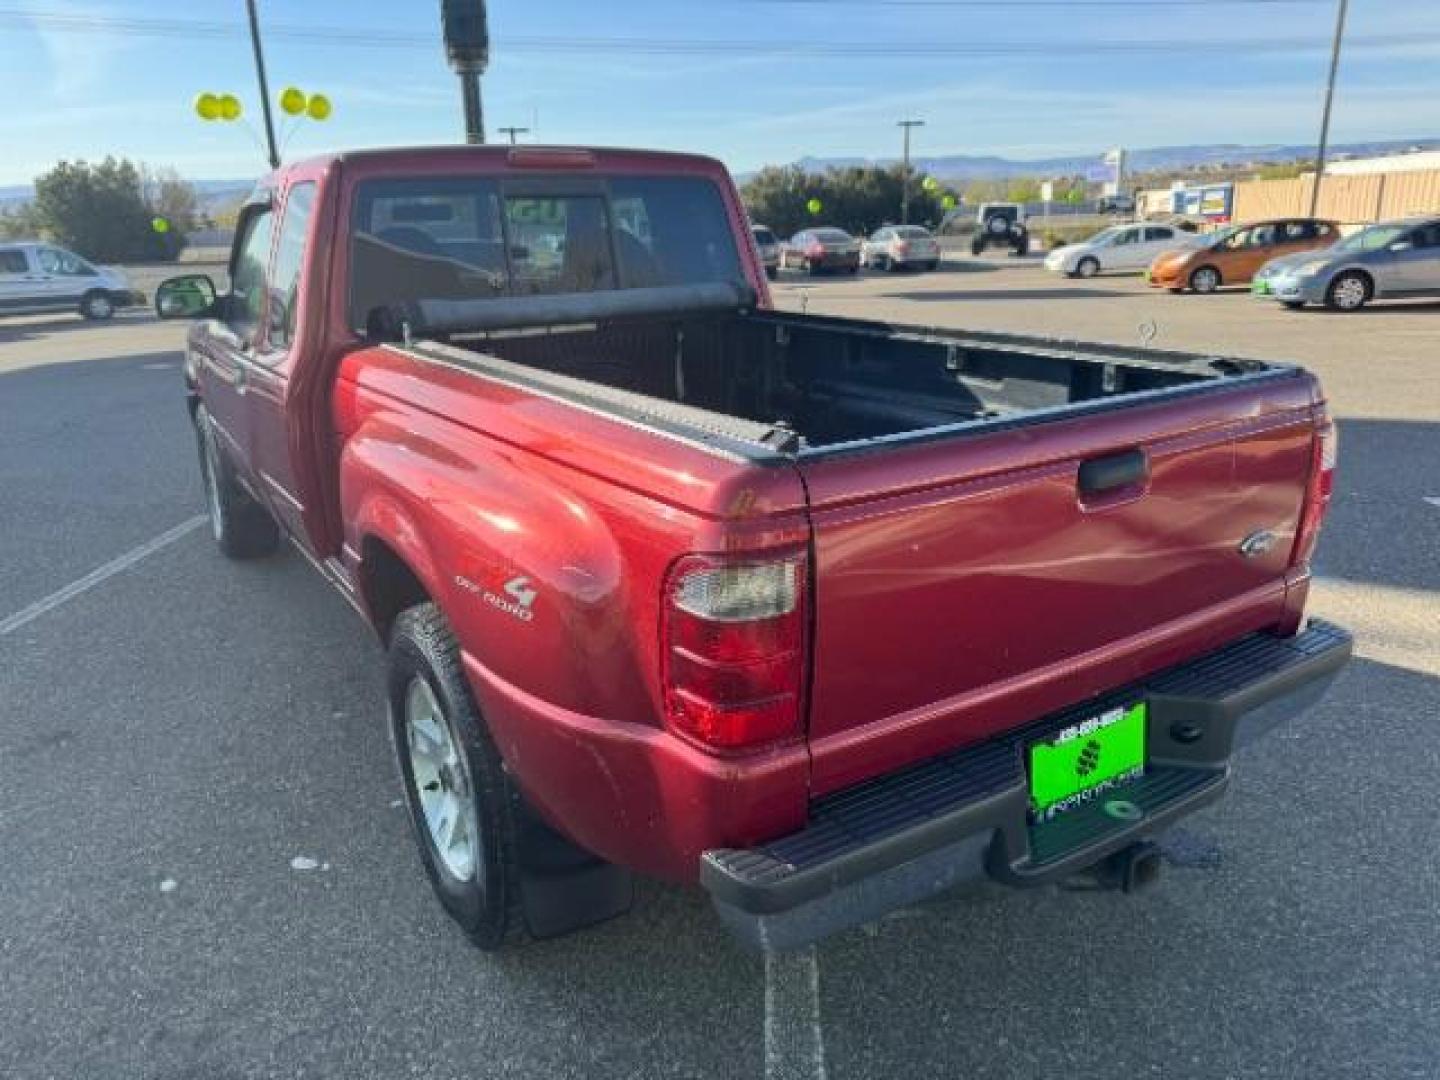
[{"x": 247, "y": 288}]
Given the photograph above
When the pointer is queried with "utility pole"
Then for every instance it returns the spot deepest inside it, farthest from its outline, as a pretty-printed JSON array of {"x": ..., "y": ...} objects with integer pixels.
[
  {"x": 467, "y": 45},
  {"x": 1329, "y": 99},
  {"x": 905, "y": 175},
  {"x": 513, "y": 131},
  {"x": 264, "y": 86}
]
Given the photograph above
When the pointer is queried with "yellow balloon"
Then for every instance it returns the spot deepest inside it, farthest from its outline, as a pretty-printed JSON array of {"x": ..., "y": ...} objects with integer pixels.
[
  {"x": 292, "y": 100},
  {"x": 207, "y": 106},
  {"x": 160, "y": 225},
  {"x": 814, "y": 206},
  {"x": 230, "y": 107},
  {"x": 318, "y": 108},
  {"x": 930, "y": 183}
]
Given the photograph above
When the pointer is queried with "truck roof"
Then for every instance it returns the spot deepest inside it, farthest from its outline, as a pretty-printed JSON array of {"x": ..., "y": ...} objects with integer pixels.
[{"x": 539, "y": 158}]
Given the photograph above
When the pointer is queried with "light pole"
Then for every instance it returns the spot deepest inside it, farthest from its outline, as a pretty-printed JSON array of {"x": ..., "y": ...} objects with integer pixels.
[
  {"x": 906, "y": 125},
  {"x": 264, "y": 87},
  {"x": 467, "y": 45},
  {"x": 513, "y": 131},
  {"x": 1329, "y": 99}
]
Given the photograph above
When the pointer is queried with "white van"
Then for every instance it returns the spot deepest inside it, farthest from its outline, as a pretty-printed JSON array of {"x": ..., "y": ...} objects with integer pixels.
[{"x": 35, "y": 277}]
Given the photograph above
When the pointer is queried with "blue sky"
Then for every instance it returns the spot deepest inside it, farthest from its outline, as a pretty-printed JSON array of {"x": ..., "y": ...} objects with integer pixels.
[{"x": 88, "y": 94}]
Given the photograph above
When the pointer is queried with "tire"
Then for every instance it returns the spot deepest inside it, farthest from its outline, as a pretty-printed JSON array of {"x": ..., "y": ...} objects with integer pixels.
[
  {"x": 426, "y": 692},
  {"x": 1205, "y": 279},
  {"x": 1293, "y": 305},
  {"x": 772, "y": 272},
  {"x": 853, "y": 269},
  {"x": 977, "y": 246},
  {"x": 932, "y": 265},
  {"x": 1348, "y": 292},
  {"x": 883, "y": 262},
  {"x": 811, "y": 268},
  {"x": 97, "y": 306},
  {"x": 243, "y": 529},
  {"x": 1087, "y": 267}
]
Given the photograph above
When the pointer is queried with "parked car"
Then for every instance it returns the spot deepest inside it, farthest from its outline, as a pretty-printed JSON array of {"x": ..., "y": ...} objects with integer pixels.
[
  {"x": 1120, "y": 203},
  {"x": 901, "y": 247},
  {"x": 1120, "y": 247},
  {"x": 1000, "y": 223},
  {"x": 1389, "y": 261},
  {"x": 37, "y": 277},
  {"x": 769, "y": 248},
  {"x": 1233, "y": 255},
  {"x": 821, "y": 249},
  {"x": 817, "y": 613}
]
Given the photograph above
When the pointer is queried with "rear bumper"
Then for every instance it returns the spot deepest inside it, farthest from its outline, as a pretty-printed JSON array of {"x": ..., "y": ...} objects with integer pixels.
[{"x": 899, "y": 838}]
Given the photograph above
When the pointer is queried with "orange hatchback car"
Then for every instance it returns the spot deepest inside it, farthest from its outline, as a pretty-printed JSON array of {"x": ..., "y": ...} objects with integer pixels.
[{"x": 1233, "y": 255}]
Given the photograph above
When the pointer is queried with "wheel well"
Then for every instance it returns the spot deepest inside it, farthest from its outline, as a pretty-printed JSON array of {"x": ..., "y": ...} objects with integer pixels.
[{"x": 387, "y": 585}]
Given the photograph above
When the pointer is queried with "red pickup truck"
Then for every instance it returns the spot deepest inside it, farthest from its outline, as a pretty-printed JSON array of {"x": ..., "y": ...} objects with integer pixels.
[{"x": 822, "y": 614}]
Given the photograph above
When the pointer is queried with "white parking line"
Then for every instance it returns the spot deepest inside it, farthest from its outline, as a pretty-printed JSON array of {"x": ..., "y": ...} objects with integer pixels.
[
  {"x": 794, "y": 1043},
  {"x": 25, "y": 615}
]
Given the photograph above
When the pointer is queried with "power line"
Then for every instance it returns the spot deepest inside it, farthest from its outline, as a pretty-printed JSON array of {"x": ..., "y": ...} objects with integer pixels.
[{"x": 345, "y": 36}]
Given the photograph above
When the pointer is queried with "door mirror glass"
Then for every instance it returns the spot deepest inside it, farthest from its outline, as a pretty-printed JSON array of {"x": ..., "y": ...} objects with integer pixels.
[{"x": 190, "y": 296}]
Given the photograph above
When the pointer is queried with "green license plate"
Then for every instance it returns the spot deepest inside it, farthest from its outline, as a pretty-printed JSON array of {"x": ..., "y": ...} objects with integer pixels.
[{"x": 1086, "y": 758}]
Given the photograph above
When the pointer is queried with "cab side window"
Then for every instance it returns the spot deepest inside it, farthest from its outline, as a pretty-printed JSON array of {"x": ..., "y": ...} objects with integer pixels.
[
  {"x": 1158, "y": 232},
  {"x": 1261, "y": 235},
  {"x": 289, "y": 258},
  {"x": 12, "y": 261},
  {"x": 247, "y": 288},
  {"x": 62, "y": 263},
  {"x": 1295, "y": 231},
  {"x": 1426, "y": 237}
]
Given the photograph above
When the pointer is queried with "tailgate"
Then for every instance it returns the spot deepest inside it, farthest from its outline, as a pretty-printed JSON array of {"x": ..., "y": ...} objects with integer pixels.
[{"x": 978, "y": 580}]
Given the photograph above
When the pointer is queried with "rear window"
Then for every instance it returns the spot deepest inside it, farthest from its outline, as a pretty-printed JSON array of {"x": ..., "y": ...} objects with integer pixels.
[
  {"x": 476, "y": 238},
  {"x": 829, "y": 236},
  {"x": 911, "y": 232},
  {"x": 764, "y": 236},
  {"x": 12, "y": 261}
]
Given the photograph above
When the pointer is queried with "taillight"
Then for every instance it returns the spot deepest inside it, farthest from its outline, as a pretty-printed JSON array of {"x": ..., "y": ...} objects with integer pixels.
[
  {"x": 1317, "y": 491},
  {"x": 815, "y": 250},
  {"x": 903, "y": 247},
  {"x": 734, "y": 649}
]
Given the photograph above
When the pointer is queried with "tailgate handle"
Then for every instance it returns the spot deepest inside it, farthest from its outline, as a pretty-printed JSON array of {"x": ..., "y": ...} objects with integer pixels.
[{"x": 1102, "y": 474}]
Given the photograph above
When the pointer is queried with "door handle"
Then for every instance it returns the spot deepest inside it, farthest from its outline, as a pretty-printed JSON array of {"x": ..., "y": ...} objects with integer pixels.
[
  {"x": 240, "y": 378},
  {"x": 1111, "y": 472}
]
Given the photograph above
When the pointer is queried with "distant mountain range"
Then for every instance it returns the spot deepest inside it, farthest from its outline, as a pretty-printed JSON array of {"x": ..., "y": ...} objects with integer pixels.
[{"x": 965, "y": 167}]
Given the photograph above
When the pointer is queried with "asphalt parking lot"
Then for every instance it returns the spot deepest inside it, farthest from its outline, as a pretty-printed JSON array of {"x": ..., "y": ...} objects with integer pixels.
[{"x": 205, "y": 871}]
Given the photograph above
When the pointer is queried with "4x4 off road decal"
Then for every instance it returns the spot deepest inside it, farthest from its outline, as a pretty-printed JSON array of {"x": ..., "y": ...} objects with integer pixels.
[{"x": 518, "y": 599}]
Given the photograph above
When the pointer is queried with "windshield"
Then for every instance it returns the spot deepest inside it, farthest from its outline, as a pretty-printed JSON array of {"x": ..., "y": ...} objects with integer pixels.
[
  {"x": 464, "y": 238},
  {"x": 1105, "y": 236},
  {"x": 1373, "y": 238},
  {"x": 764, "y": 236},
  {"x": 1216, "y": 239}
]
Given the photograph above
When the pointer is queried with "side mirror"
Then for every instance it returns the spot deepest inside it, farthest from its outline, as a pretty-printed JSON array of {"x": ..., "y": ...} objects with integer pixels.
[
  {"x": 1401, "y": 245},
  {"x": 189, "y": 296}
]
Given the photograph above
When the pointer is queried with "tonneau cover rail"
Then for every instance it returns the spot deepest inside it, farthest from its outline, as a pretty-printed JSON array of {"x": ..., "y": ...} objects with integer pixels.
[{"x": 429, "y": 318}]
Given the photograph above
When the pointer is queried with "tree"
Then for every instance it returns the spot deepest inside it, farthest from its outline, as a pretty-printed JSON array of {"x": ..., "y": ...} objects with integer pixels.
[
  {"x": 101, "y": 211},
  {"x": 20, "y": 223},
  {"x": 858, "y": 198}
]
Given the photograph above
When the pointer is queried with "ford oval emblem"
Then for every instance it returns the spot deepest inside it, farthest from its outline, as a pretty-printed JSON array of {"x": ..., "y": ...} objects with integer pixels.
[{"x": 1257, "y": 543}]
